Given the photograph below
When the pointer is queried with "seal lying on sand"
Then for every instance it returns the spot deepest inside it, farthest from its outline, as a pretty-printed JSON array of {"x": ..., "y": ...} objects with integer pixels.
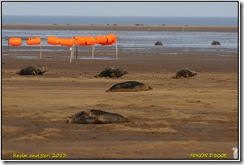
[
  {"x": 30, "y": 70},
  {"x": 129, "y": 86},
  {"x": 112, "y": 73},
  {"x": 185, "y": 72},
  {"x": 96, "y": 117}
]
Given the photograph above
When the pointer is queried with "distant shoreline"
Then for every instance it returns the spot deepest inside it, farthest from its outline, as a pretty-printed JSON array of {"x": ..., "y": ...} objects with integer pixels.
[{"x": 115, "y": 27}]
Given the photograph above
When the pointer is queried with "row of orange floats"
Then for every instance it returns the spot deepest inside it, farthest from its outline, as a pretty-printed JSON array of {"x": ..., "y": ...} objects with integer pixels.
[
  {"x": 29, "y": 41},
  {"x": 71, "y": 42},
  {"x": 77, "y": 40}
]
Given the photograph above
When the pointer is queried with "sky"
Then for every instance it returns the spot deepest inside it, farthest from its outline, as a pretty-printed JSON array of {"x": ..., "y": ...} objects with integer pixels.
[{"x": 165, "y": 9}]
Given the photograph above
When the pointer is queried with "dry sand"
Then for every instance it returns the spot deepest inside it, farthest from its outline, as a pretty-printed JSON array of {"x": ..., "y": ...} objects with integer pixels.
[
  {"x": 175, "y": 119},
  {"x": 122, "y": 27}
]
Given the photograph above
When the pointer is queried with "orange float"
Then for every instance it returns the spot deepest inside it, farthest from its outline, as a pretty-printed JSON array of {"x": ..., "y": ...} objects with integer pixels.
[
  {"x": 101, "y": 40},
  {"x": 53, "y": 40},
  {"x": 90, "y": 41},
  {"x": 15, "y": 41},
  {"x": 80, "y": 40},
  {"x": 111, "y": 39},
  {"x": 33, "y": 41},
  {"x": 106, "y": 40},
  {"x": 84, "y": 40},
  {"x": 66, "y": 41}
]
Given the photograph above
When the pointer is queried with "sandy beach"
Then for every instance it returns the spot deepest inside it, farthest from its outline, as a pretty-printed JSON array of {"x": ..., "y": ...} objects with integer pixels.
[
  {"x": 179, "y": 117},
  {"x": 120, "y": 81},
  {"x": 122, "y": 27}
]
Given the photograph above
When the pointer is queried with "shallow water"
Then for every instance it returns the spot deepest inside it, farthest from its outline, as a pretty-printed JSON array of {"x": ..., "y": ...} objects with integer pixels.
[{"x": 139, "y": 42}]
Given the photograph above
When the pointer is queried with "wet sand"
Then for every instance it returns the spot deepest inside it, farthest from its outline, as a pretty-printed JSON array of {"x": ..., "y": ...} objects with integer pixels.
[
  {"x": 177, "y": 118},
  {"x": 122, "y": 27}
]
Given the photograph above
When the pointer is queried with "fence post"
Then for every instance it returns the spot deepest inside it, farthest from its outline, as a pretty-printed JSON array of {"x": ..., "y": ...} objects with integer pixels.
[
  {"x": 71, "y": 50},
  {"x": 116, "y": 49},
  {"x": 40, "y": 51},
  {"x": 76, "y": 51}
]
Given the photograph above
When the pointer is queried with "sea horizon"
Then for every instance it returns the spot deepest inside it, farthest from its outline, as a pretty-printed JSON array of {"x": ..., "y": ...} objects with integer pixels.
[{"x": 118, "y": 20}]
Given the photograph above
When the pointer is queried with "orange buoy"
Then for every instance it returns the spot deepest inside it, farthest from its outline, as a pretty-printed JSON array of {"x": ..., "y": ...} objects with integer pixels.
[
  {"x": 80, "y": 40},
  {"x": 106, "y": 40},
  {"x": 111, "y": 39},
  {"x": 84, "y": 40},
  {"x": 53, "y": 40},
  {"x": 66, "y": 41},
  {"x": 15, "y": 41},
  {"x": 90, "y": 41},
  {"x": 33, "y": 41},
  {"x": 101, "y": 40}
]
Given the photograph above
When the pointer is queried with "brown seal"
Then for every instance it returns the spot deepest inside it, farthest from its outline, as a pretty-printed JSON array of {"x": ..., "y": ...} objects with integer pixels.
[
  {"x": 129, "y": 86},
  {"x": 185, "y": 72},
  {"x": 112, "y": 73},
  {"x": 30, "y": 70},
  {"x": 96, "y": 117},
  {"x": 215, "y": 43}
]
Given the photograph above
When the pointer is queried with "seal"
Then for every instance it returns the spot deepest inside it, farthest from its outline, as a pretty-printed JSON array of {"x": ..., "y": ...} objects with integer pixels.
[
  {"x": 112, "y": 73},
  {"x": 80, "y": 118},
  {"x": 95, "y": 116},
  {"x": 215, "y": 43},
  {"x": 30, "y": 70},
  {"x": 158, "y": 43},
  {"x": 129, "y": 86},
  {"x": 103, "y": 117},
  {"x": 185, "y": 72}
]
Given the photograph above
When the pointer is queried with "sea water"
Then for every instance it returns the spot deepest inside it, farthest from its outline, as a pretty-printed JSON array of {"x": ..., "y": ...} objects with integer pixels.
[
  {"x": 137, "y": 42},
  {"x": 197, "y": 21}
]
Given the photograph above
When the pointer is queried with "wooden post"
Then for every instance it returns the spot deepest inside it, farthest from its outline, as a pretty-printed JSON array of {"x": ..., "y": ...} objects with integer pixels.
[
  {"x": 70, "y": 60},
  {"x": 93, "y": 51},
  {"x": 40, "y": 51},
  {"x": 76, "y": 51},
  {"x": 116, "y": 53},
  {"x": 73, "y": 52}
]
